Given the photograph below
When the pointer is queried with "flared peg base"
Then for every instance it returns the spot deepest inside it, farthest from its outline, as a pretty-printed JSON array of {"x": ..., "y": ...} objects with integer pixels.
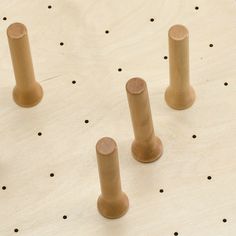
[
  {"x": 147, "y": 153},
  {"x": 113, "y": 209}
]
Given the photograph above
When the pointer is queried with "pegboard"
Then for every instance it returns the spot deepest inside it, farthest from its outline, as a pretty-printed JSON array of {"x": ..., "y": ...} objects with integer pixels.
[{"x": 84, "y": 52}]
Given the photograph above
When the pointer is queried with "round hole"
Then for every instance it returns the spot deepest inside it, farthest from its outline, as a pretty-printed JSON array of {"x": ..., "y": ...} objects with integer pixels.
[
  {"x": 120, "y": 69},
  {"x": 86, "y": 121},
  {"x": 176, "y": 234},
  {"x": 64, "y": 217},
  {"x": 161, "y": 191},
  {"x": 224, "y": 220},
  {"x": 49, "y": 7},
  {"x": 152, "y": 19},
  {"x": 4, "y": 187},
  {"x": 196, "y": 8},
  {"x": 226, "y": 84},
  {"x": 39, "y": 134},
  {"x": 4, "y": 18},
  {"x": 165, "y": 57},
  {"x": 211, "y": 45},
  {"x": 16, "y": 230},
  {"x": 194, "y": 136},
  {"x": 107, "y": 31},
  {"x": 61, "y": 43},
  {"x": 73, "y": 82},
  {"x": 209, "y": 177},
  {"x": 52, "y": 175}
]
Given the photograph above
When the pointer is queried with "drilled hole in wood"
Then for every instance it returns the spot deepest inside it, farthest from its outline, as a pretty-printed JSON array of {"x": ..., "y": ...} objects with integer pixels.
[
  {"x": 225, "y": 220},
  {"x": 209, "y": 177},
  {"x": 196, "y": 8},
  {"x": 39, "y": 134},
  {"x": 176, "y": 234},
  {"x": 61, "y": 43},
  {"x": 64, "y": 217},
  {"x": 4, "y": 187},
  {"x": 86, "y": 121},
  {"x": 152, "y": 19},
  {"x": 165, "y": 57},
  {"x": 16, "y": 230},
  {"x": 120, "y": 69},
  {"x": 226, "y": 84},
  {"x": 107, "y": 31},
  {"x": 4, "y": 18},
  {"x": 49, "y": 7},
  {"x": 211, "y": 45},
  {"x": 161, "y": 191},
  {"x": 194, "y": 136},
  {"x": 73, "y": 82},
  {"x": 52, "y": 175}
]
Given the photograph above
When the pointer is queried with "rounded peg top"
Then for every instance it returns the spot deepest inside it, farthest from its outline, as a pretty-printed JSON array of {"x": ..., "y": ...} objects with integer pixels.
[
  {"x": 16, "y": 31},
  {"x": 106, "y": 146},
  {"x": 136, "y": 86},
  {"x": 178, "y": 32}
]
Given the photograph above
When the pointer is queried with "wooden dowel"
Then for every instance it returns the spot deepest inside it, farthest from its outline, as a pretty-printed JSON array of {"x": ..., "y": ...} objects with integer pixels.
[
  {"x": 27, "y": 92},
  {"x": 146, "y": 146},
  {"x": 179, "y": 95},
  {"x": 112, "y": 203}
]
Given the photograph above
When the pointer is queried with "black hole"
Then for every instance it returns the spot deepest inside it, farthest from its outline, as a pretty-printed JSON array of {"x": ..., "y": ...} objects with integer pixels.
[
  {"x": 73, "y": 82},
  {"x": 120, "y": 69},
  {"x": 152, "y": 19},
  {"x": 107, "y": 31},
  {"x": 226, "y": 84},
  {"x": 4, "y": 18},
  {"x": 61, "y": 43},
  {"x": 224, "y": 220},
  {"x": 39, "y": 134},
  {"x": 49, "y": 7},
  {"x": 86, "y": 121},
  {"x": 176, "y": 234},
  {"x": 64, "y": 217},
  {"x": 4, "y": 187},
  {"x": 211, "y": 45},
  {"x": 194, "y": 136},
  {"x": 16, "y": 230},
  {"x": 161, "y": 190},
  {"x": 165, "y": 57},
  {"x": 196, "y": 8},
  {"x": 52, "y": 175},
  {"x": 209, "y": 177}
]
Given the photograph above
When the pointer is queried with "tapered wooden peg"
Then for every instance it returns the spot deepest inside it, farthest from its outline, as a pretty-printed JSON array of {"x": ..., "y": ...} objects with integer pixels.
[
  {"x": 112, "y": 203},
  {"x": 179, "y": 95},
  {"x": 146, "y": 147},
  {"x": 27, "y": 92}
]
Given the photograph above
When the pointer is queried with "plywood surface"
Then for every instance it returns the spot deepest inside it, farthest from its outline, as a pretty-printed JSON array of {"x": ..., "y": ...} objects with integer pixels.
[{"x": 191, "y": 204}]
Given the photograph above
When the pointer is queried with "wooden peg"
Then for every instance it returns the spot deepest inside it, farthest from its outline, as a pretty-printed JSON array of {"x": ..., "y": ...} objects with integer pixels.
[
  {"x": 112, "y": 203},
  {"x": 146, "y": 146},
  {"x": 27, "y": 92},
  {"x": 179, "y": 95}
]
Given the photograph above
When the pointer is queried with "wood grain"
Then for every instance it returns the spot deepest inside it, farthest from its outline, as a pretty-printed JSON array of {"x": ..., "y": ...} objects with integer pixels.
[{"x": 34, "y": 202}]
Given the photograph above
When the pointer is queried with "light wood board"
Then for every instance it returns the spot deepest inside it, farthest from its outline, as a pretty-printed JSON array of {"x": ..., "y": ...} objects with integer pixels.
[{"x": 35, "y": 203}]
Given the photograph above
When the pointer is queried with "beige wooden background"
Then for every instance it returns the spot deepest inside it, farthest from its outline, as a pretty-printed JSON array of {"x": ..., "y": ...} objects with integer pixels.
[{"x": 35, "y": 203}]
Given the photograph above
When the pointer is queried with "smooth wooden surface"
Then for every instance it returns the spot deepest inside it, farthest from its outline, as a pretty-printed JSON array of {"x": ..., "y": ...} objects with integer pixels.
[
  {"x": 179, "y": 95},
  {"x": 146, "y": 147},
  {"x": 35, "y": 203},
  {"x": 27, "y": 92},
  {"x": 113, "y": 202}
]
